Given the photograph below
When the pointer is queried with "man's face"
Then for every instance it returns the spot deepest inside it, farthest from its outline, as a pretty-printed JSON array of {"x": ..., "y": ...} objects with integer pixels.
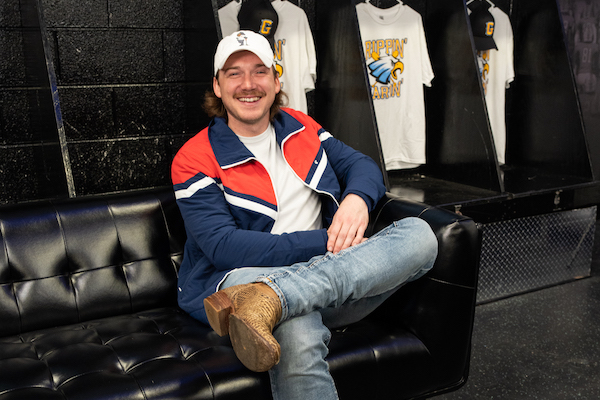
[{"x": 247, "y": 88}]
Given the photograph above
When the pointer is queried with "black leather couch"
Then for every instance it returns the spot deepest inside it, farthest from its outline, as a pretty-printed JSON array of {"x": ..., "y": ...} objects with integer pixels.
[{"x": 88, "y": 310}]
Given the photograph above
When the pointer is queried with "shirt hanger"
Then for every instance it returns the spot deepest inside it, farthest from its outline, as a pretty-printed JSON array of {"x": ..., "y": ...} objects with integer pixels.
[
  {"x": 398, "y": 1},
  {"x": 490, "y": 3}
]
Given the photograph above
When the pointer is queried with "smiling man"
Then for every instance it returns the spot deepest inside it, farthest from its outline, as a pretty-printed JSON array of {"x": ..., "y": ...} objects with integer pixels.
[
  {"x": 247, "y": 88},
  {"x": 275, "y": 210}
]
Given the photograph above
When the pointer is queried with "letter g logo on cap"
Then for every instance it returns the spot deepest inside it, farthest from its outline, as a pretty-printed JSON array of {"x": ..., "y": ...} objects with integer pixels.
[
  {"x": 489, "y": 28},
  {"x": 265, "y": 26}
]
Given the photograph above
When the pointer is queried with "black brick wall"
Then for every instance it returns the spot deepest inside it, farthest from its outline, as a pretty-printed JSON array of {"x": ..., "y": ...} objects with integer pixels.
[
  {"x": 129, "y": 80},
  {"x": 31, "y": 165},
  {"x": 123, "y": 87}
]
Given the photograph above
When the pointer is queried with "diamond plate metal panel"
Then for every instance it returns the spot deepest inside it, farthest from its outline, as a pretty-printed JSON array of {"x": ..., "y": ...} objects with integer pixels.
[{"x": 530, "y": 253}]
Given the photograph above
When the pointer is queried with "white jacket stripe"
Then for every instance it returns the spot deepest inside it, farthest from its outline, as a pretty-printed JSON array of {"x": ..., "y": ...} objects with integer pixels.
[
  {"x": 250, "y": 205},
  {"x": 324, "y": 136},
  {"x": 193, "y": 188},
  {"x": 319, "y": 172}
]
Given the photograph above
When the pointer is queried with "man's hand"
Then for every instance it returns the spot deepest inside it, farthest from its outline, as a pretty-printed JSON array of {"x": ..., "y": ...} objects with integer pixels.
[{"x": 349, "y": 224}]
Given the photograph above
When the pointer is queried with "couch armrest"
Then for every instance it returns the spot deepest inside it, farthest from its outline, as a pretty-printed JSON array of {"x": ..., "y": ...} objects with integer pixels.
[{"x": 438, "y": 308}]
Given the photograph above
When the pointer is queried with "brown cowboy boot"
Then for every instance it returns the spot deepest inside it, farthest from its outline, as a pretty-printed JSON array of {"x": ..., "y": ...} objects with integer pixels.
[{"x": 248, "y": 313}]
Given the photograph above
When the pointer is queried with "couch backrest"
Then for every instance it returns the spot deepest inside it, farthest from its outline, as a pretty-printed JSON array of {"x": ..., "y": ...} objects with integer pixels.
[{"x": 64, "y": 262}]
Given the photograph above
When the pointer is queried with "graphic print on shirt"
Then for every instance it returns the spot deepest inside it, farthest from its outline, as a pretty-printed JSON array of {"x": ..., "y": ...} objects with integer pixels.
[
  {"x": 278, "y": 59},
  {"x": 483, "y": 60},
  {"x": 586, "y": 59},
  {"x": 386, "y": 67}
]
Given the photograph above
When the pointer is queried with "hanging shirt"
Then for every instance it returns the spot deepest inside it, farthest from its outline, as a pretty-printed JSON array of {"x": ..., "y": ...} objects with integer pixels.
[
  {"x": 295, "y": 56},
  {"x": 299, "y": 205},
  {"x": 586, "y": 49},
  {"x": 497, "y": 72},
  {"x": 586, "y": 15},
  {"x": 398, "y": 66}
]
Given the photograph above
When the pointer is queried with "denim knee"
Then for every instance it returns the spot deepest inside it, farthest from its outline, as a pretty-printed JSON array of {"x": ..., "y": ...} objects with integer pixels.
[
  {"x": 427, "y": 237},
  {"x": 426, "y": 242}
]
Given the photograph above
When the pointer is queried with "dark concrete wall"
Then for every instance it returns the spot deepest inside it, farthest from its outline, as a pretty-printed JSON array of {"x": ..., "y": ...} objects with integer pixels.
[
  {"x": 30, "y": 158},
  {"x": 583, "y": 47},
  {"x": 128, "y": 81}
]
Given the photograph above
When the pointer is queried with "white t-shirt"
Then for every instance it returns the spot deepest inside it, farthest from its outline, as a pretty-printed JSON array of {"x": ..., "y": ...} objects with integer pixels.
[
  {"x": 496, "y": 68},
  {"x": 398, "y": 65},
  {"x": 299, "y": 207},
  {"x": 295, "y": 55}
]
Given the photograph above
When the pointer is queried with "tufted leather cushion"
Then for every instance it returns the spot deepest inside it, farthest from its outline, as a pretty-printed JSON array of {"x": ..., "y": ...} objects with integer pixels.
[
  {"x": 88, "y": 310},
  {"x": 67, "y": 262}
]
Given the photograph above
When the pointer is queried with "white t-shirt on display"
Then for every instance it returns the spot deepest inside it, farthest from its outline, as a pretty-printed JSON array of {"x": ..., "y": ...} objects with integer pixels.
[
  {"x": 496, "y": 68},
  {"x": 398, "y": 64}
]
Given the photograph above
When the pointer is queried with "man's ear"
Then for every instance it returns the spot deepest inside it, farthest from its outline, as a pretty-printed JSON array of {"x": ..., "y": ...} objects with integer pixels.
[
  {"x": 216, "y": 87},
  {"x": 277, "y": 83}
]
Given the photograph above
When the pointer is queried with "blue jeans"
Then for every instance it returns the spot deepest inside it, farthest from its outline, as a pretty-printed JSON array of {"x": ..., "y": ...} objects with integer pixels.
[{"x": 334, "y": 290}]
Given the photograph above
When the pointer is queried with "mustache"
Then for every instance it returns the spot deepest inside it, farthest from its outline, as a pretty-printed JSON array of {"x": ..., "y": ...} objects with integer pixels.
[{"x": 250, "y": 93}]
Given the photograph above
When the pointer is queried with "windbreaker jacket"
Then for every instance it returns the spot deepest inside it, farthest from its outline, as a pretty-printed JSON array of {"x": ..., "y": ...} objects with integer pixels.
[{"x": 229, "y": 204}]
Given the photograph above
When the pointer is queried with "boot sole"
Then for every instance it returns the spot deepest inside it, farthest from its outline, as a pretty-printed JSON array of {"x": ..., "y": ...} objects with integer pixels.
[
  {"x": 252, "y": 349},
  {"x": 218, "y": 307}
]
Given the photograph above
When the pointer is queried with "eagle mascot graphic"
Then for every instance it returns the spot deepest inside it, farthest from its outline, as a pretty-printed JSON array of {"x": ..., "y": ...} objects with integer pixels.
[{"x": 383, "y": 68}]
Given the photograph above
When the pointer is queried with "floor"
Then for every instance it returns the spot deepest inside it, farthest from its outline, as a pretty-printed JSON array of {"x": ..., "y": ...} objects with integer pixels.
[{"x": 541, "y": 345}]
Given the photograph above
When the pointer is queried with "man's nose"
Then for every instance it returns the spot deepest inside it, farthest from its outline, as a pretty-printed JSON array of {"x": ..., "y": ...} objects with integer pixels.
[{"x": 248, "y": 81}]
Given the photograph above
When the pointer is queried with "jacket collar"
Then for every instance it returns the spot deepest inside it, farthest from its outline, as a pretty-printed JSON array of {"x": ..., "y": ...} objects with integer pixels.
[{"x": 228, "y": 148}]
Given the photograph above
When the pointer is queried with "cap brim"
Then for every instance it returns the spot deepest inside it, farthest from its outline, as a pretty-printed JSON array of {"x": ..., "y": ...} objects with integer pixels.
[{"x": 485, "y": 43}]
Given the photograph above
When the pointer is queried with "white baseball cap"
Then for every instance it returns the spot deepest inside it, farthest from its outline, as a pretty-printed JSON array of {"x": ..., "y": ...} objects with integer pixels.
[{"x": 243, "y": 40}]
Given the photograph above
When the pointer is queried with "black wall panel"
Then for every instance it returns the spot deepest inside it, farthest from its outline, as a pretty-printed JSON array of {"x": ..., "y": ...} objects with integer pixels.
[
  {"x": 100, "y": 93},
  {"x": 31, "y": 163},
  {"x": 460, "y": 146},
  {"x": 545, "y": 128},
  {"x": 585, "y": 62}
]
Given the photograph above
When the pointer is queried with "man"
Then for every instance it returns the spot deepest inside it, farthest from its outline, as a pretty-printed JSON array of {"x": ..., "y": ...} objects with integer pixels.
[{"x": 275, "y": 211}]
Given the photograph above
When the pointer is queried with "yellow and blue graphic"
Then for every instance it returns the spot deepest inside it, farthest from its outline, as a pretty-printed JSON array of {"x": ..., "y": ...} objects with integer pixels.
[
  {"x": 265, "y": 26},
  {"x": 483, "y": 59},
  {"x": 278, "y": 57},
  {"x": 386, "y": 66}
]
